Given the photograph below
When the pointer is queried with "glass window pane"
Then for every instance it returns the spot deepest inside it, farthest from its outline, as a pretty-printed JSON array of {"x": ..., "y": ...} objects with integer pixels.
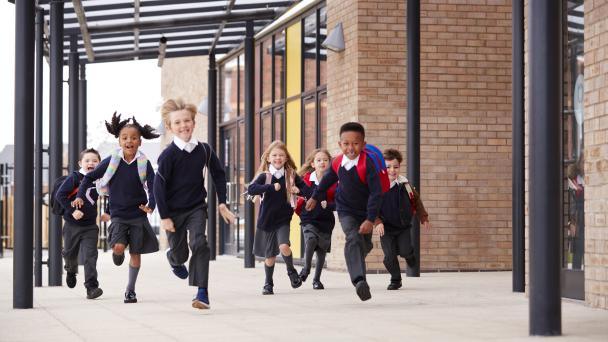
[
  {"x": 310, "y": 52},
  {"x": 267, "y": 73},
  {"x": 256, "y": 137},
  {"x": 323, "y": 119},
  {"x": 310, "y": 126},
  {"x": 279, "y": 66},
  {"x": 229, "y": 90},
  {"x": 241, "y": 85},
  {"x": 322, "y": 51},
  {"x": 266, "y": 130},
  {"x": 258, "y": 85},
  {"x": 279, "y": 115}
]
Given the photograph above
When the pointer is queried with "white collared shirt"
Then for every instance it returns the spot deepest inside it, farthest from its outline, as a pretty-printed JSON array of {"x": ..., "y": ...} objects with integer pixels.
[
  {"x": 185, "y": 146},
  {"x": 313, "y": 178},
  {"x": 83, "y": 171},
  {"x": 122, "y": 155},
  {"x": 276, "y": 173},
  {"x": 349, "y": 163}
]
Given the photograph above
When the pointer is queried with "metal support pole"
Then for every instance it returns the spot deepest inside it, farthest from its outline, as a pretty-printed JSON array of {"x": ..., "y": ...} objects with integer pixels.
[
  {"x": 413, "y": 117},
  {"x": 211, "y": 139},
  {"x": 73, "y": 105},
  {"x": 249, "y": 137},
  {"x": 38, "y": 151},
  {"x": 519, "y": 163},
  {"x": 545, "y": 58},
  {"x": 55, "y": 134},
  {"x": 82, "y": 109},
  {"x": 23, "y": 290}
]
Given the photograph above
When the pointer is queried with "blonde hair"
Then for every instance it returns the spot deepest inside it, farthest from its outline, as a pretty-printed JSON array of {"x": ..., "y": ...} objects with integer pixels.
[
  {"x": 290, "y": 166},
  {"x": 172, "y": 105},
  {"x": 307, "y": 167}
]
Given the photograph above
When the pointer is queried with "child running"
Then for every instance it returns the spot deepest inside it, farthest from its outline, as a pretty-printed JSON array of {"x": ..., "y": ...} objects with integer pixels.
[
  {"x": 277, "y": 183},
  {"x": 318, "y": 224},
  {"x": 80, "y": 228},
  {"x": 125, "y": 176},
  {"x": 179, "y": 190}
]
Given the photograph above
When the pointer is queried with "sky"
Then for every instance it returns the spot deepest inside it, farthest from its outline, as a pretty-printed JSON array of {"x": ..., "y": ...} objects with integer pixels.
[{"x": 131, "y": 88}]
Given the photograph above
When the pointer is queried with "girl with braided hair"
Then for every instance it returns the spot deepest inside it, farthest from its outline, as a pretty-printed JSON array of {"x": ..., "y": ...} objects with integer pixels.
[{"x": 127, "y": 177}]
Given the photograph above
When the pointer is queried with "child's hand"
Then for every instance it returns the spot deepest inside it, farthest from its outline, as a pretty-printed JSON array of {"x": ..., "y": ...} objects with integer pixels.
[
  {"x": 105, "y": 217},
  {"x": 167, "y": 225},
  {"x": 227, "y": 215},
  {"x": 323, "y": 204},
  {"x": 380, "y": 229},
  {"x": 426, "y": 225},
  {"x": 366, "y": 227},
  {"x": 77, "y": 214},
  {"x": 145, "y": 208},
  {"x": 277, "y": 186},
  {"x": 294, "y": 190},
  {"x": 311, "y": 204},
  {"x": 77, "y": 203}
]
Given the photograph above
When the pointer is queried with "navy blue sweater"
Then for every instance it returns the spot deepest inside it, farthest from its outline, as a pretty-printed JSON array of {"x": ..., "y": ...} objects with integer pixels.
[
  {"x": 392, "y": 201},
  {"x": 353, "y": 198},
  {"x": 180, "y": 183},
  {"x": 126, "y": 191},
  {"x": 275, "y": 210},
  {"x": 89, "y": 209},
  {"x": 321, "y": 218}
]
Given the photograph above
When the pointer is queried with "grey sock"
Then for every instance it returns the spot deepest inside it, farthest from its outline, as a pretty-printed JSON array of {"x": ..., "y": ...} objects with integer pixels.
[
  {"x": 289, "y": 262},
  {"x": 133, "y": 271},
  {"x": 311, "y": 245},
  {"x": 269, "y": 270},
  {"x": 320, "y": 263}
]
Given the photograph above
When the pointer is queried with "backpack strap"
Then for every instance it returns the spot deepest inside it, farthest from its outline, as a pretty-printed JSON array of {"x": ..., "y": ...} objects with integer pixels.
[
  {"x": 306, "y": 179},
  {"x": 361, "y": 167},
  {"x": 410, "y": 195},
  {"x": 335, "y": 164}
]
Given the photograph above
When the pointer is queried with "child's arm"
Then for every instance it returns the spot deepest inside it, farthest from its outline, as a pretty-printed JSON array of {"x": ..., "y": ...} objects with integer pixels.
[
  {"x": 149, "y": 207},
  {"x": 329, "y": 178},
  {"x": 258, "y": 186},
  {"x": 165, "y": 170},
  {"x": 423, "y": 216},
  {"x": 64, "y": 190},
  {"x": 374, "y": 200},
  {"x": 88, "y": 180},
  {"x": 218, "y": 174}
]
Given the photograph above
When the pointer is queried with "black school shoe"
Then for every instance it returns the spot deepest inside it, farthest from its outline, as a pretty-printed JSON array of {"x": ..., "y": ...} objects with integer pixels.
[
  {"x": 70, "y": 280},
  {"x": 267, "y": 290},
  {"x": 93, "y": 293},
  {"x": 130, "y": 297},
  {"x": 304, "y": 274},
  {"x": 118, "y": 259},
  {"x": 363, "y": 290},
  {"x": 294, "y": 278},
  {"x": 317, "y": 285},
  {"x": 394, "y": 285}
]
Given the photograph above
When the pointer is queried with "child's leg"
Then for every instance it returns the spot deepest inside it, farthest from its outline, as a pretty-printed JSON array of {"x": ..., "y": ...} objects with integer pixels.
[
  {"x": 134, "y": 265},
  {"x": 404, "y": 247},
  {"x": 196, "y": 224},
  {"x": 354, "y": 248},
  {"x": 312, "y": 242},
  {"x": 119, "y": 249},
  {"x": 71, "y": 245},
  {"x": 389, "y": 247},
  {"x": 287, "y": 257},
  {"x": 178, "y": 253},
  {"x": 89, "y": 244},
  {"x": 269, "y": 270},
  {"x": 320, "y": 262}
]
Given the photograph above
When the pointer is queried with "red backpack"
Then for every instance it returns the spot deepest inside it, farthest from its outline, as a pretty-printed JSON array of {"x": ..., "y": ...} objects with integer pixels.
[
  {"x": 372, "y": 153},
  {"x": 301, "y": 202}
]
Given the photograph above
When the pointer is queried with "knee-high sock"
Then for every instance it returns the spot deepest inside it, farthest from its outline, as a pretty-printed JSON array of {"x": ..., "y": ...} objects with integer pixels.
[
  {"x": 269, "y": 270},
  {"x": 133, "y": 272},
  {"x": 311, "y": 245},
  {"x": 289, "y": 262},
  {"x": 320, "y": 262}
]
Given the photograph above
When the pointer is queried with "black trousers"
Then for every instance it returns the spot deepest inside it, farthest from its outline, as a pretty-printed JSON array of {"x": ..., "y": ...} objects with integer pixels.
[
  {"x": 356, "y": 248},
  {"x": 73, "y": 237},
  {"x": 396, "y": 243},
  {"x": 193, "y": 222}
]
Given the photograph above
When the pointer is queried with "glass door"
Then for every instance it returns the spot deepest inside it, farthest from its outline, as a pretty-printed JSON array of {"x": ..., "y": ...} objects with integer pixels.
[{"x": 232, "y": 234}]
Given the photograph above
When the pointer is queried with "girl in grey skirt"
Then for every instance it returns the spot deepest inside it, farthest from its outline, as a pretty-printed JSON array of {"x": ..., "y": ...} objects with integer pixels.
[
  {"x": 318, "y": 224},
  {"x": 125, "y": 176},
  {"x": 276, "y": 183}
]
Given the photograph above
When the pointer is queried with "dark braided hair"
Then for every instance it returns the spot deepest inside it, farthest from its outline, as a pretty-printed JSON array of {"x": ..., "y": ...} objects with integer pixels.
[{"x": 116, "y": 125}]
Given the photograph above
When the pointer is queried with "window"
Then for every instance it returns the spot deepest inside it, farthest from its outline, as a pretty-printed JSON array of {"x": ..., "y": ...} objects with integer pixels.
[
  {"x": 310, "y": 125},
  {"x": 279, "y": 120},
  {"x": 241, "y": 85},
  {"x": 266, "y": 129},
  {"x": 323, "y": 119},
  {"x": 322, "y": 51},
  {"x": 279, "y": 66},
  {"x": 309, "y": 51},
  {"x": 229, "y": 90},
  {"x": 267, "y": 73}
]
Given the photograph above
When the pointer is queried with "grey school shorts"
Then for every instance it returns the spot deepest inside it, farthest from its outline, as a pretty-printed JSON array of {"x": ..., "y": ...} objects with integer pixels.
[
  {"x": 266, "y": 243},
  {"x": 135, "y": 233}
]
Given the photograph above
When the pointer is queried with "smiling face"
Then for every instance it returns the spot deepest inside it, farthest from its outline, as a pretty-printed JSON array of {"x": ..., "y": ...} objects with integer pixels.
[
  {"x": 351, "y": 143},
  {"x": 392, "y": 167},
  {"x": 181, "y": 124},
  {"x": 89, "y": 161},
  {"x": 277, "y": 158},
  {"x": 129, "y": 140},
  {"x": 320, "y": 162}
]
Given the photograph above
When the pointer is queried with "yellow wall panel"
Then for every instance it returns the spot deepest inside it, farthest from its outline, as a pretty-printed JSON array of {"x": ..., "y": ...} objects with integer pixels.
[
  {"x": 294, "y": 59},
  {"x": 294, "y": 142}
]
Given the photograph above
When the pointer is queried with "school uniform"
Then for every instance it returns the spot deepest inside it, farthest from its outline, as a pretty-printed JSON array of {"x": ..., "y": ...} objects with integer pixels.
[
  {"x": 318, "y": 224},
  {"x": 275, "y": 213},
  {"x": 180, "y": 194},
  {"x": 355, "y": 203},
  {"x": 83, "y": 232},
  {"x": 130, "y": 225}
]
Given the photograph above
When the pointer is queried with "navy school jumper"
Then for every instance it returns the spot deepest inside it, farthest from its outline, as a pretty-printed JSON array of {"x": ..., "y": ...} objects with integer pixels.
[{"x": 88, "y": 209}]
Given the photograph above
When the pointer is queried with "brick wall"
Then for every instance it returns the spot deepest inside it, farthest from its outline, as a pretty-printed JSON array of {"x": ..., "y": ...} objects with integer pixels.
[
  {"x": 465, "y": 118},
  {"x": 596, "y": 153}
]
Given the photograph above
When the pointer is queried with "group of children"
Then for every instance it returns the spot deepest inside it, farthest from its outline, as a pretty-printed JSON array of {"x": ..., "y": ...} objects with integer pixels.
[{"x": 177, "y": 189}]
